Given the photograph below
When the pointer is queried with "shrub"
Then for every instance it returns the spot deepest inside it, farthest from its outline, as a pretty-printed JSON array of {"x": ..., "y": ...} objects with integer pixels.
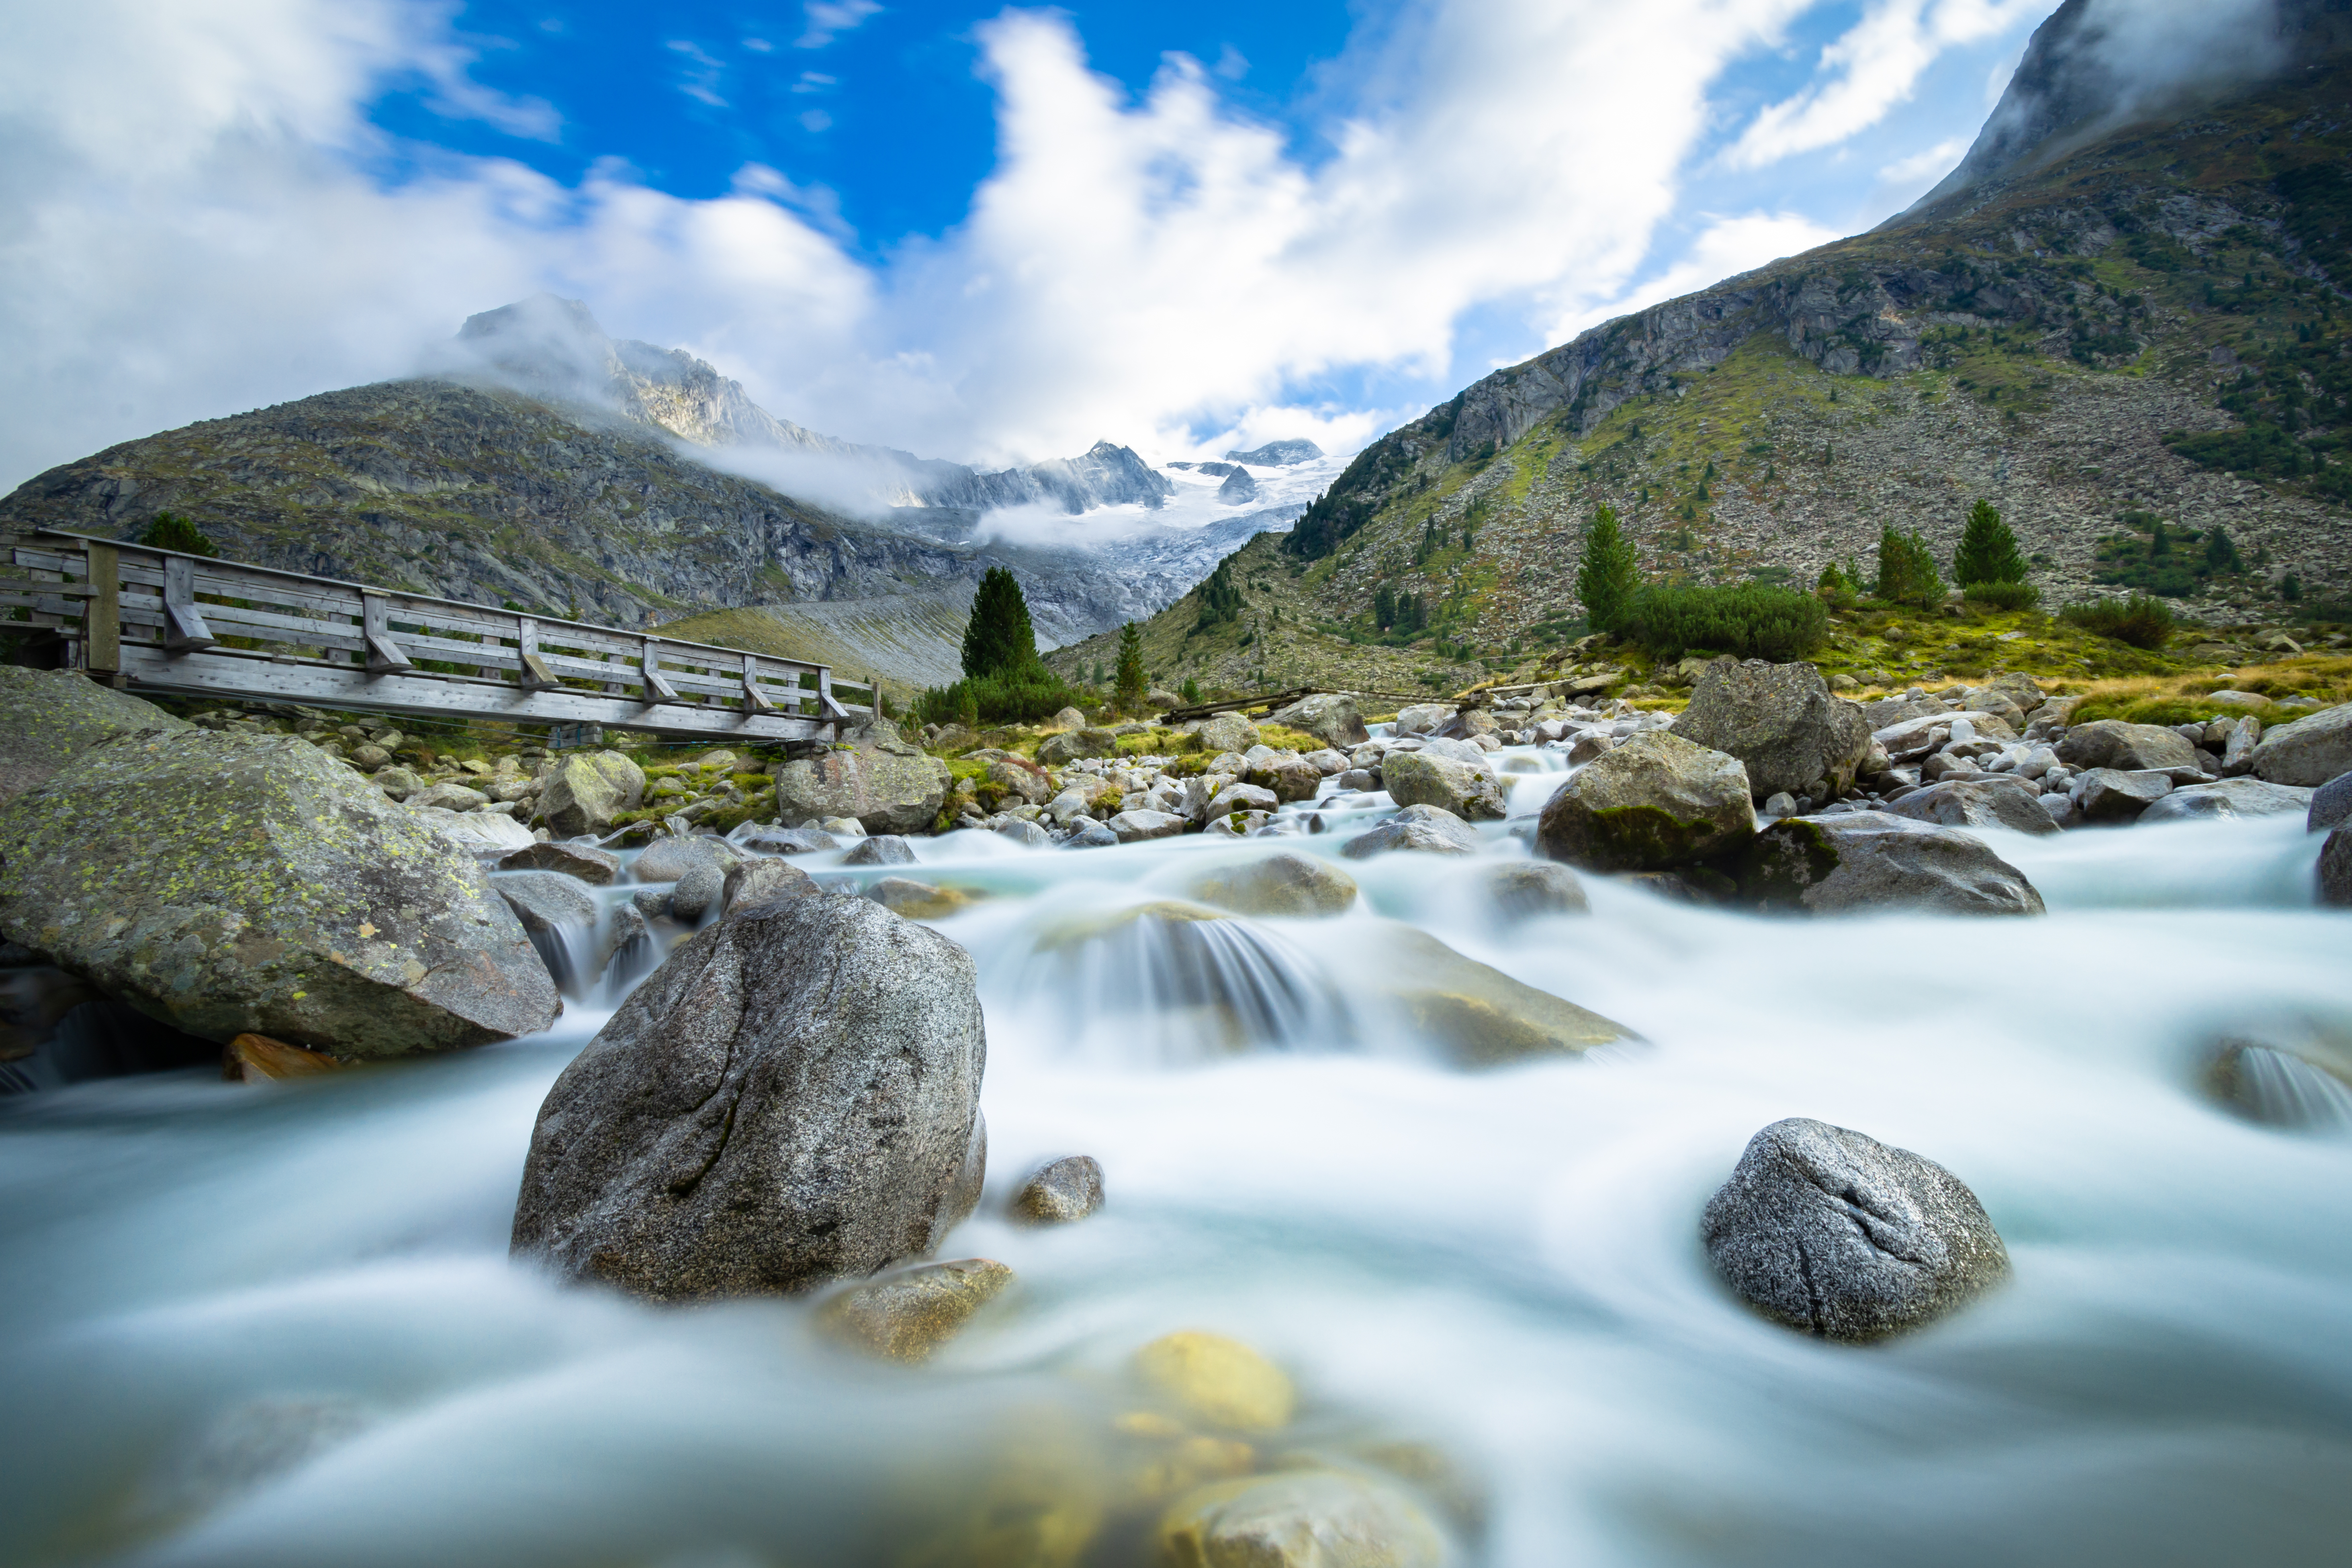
[
  {"x": 1754, "y": 620},
  {"x": 1220, "y": 601},
  {"x": 172, "y": 532},
  {"x": 1607, "y": 578},
  {"x": 2139, "y": 620},
  {"x": 2004, "y": 595},
  {"x": 1907, "y": 571},
  {"x": 1021, "y": 696}
]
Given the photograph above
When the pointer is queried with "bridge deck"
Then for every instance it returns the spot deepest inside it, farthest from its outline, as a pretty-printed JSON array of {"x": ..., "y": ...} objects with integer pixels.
[{"x": 160, "y": 621}]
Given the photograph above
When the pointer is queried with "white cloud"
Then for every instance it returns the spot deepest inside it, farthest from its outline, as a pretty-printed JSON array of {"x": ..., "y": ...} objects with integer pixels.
[
  {"x": 829, "y": 18},
  {"x": 1869, "y": 71},
  {"x": 1935, "y": 162},
  {"x": 701, "y": 81},
  {"x": 1725, "y": 248}
]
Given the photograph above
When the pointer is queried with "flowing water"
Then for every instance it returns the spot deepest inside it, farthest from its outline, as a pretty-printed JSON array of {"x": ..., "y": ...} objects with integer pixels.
[{"x": 277, "y": 1325}]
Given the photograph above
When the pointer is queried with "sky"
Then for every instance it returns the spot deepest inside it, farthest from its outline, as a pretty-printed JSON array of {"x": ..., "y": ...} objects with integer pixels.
[{"x": 985, "y": 232}]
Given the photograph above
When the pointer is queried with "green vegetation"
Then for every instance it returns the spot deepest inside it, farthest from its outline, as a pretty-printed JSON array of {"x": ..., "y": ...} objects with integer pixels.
[
  {"x": 1906, "y": 570},
  {"x": 2168, "y": 562},
  {"x": 1607, "y": 578},
  {"x": 1220, "y": 601},
  {"x": 169, "y": 530},
  {"x": 1754, "y": 620},
  {"x": 2139, "y": 620},
  {"x": 1133, "y": 686},
  {"x": 1988, "y": 550},
  {"x": 1005, "y": 681},
  {"x": 2004, "y": 595},
  {"x": 998, "y": 637}
]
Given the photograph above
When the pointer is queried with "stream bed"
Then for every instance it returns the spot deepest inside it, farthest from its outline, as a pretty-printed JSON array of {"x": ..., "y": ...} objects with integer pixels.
[{"x": 277, "y": 1325}]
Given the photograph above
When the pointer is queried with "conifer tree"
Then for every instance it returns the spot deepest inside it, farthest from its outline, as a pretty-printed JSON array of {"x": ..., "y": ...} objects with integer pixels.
[
  {"x": 1988, "y": 550},
  {"x": 1132, "y": 686},
  {"x": 1609, "y": 574},
  {"x": 1906, "y": 570},
  {"x": 998, "y": 637},
  {"x": 169, "y": 530}
]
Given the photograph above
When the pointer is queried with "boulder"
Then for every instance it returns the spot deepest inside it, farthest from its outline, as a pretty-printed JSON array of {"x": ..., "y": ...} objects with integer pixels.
[
  {"x": 1072, "y": 744},
  {"x": 1331, "y": 764},
  {"x": 583, "y": 793},
  {"x": 1068, "y": 719},
  {"x": 2111, "y": 795},
  {"x": 1888, "y": 712},
  {"x": 667, "y": 860},
  {"x": 700, "y": 890},
  {"x": 447, "y": 797},
  {"x": 48, "y": 717},
  {"x": 475, "y": 832},
  {"x": 1289, "y": 777},
  {"x": 747, "y": 884},
  {"x": 584, "y": 862},
  {"x": 2229, "y": 797},
  {"x": 1782, "y": 723},
  {"x": 1655, "y": 802},
  {"x": 2335, "y": 870},
  {"x": 2331, "y": 804},
  {"x": 774, "y": 840},
  {"x": 2311, "y": 750},
  {"x": 1062, "y": 1192},
  {"x": 793, "y": 1097},
  {"x": 1994, "y": 801},
  {"x": 1872, "y": 861},
  {"x": 398, "y": 783},
  {"x": 905, "y": 1315},
  {"x": 2238, "y": 747},
  {"x": 1301, "y": 1519},
  {"x": 1028, "y": 835},
  {"x": 1024, "y": 781},
  {"x": 1425, "y": 828},
  {"x": 916, "y": 900},
  {"x": 1226, "y": 733},
  {"x": 885, "y": 782},
  {"x": 546, "y": 900},
  {"x": 1476, "y": 1016},
  {"x": 1241, "y": 797},
  {"x": 882, "y": 849},
  {"x": 1526, "y": 889},
  {"x": 1283, "y": 883},
  {"x": 1422, "y": 718},
  {"x": 1135, "y": 827},
  {"x": 1423, "y": 778},
  {"x": 1838, "y": 1235},
  {"x": 1090, "y": 835},
  {"x": 1217, "y": 1381},
  {"x": 234, "y": 884},
  {"x": 2113, "y": 743},
  {"x": 1331, "y": 717}
]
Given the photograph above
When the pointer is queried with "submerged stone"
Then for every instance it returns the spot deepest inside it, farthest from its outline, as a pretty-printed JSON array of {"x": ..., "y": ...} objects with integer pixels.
[
  {"x": 1069, "y": 1190},
  {"x": 1280, "y": 884},
  {"x": 1301, "y": 1519},
  {"x": 908, "y": 1315},
  {"x": 251, "y": 1059},
  {"x": 917, "y": 900},
  {"x": 1653, "y": 803},
  {"x": 1218, "y": 1380},
  {"x": 1873, "y": 861}
]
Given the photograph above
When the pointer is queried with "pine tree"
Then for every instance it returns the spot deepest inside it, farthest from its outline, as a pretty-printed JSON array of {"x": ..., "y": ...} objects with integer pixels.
[
  {"x": 998, "y": 637},
  {"x": 1132, "y": 686},
  {"x": 1988, "y": 550},
  {"x": 1906, "y": 570},
  {"x": 2221, "y": 552},
  {"x": 1609, "y": 574},
  {"x": 172, "y": 532},
  {"x": 1384, "y": 607}
]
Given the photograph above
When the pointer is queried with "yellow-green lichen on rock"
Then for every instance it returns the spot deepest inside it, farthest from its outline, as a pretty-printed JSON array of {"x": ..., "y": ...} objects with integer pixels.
[
  {"x": 232, "y": 884},
  {"x": 1218, "y": 1380},
  {"x": 48, "y": 717}
]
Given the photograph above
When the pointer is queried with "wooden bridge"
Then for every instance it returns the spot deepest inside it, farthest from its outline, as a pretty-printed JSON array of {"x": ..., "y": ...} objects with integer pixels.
[{"x": 160, "y": 621}]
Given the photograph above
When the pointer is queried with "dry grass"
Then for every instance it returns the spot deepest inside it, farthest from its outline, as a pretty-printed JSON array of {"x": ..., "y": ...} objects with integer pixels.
[{"x": 2179, "y": 698}]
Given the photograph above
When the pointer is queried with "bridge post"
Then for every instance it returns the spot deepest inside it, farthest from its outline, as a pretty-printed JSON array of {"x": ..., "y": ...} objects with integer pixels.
[
  {"x": 657, "y": 688},
  {"x": 536, "y": 676},
  {"x": 184, "y": 624},
  {"x": 383, "y": 654},
  {"x": 102, "y": 618}
]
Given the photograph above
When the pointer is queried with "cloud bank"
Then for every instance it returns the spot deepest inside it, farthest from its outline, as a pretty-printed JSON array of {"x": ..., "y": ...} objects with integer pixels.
[{"x": 201, "y": 218}]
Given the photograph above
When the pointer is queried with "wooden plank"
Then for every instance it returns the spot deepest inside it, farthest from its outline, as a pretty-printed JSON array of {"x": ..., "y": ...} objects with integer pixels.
[
  {"x": 383, "y": 654},
  {"x": 222, "y": 672},
  {"x": 649, "y": 667},
  {"x": 536, "y": 675},
  {"x": 185, "y": 629},
  {"x": 754, "y": 700},
  {"x": 102, "y": 622},
  {"x": 270, "y": 627}
]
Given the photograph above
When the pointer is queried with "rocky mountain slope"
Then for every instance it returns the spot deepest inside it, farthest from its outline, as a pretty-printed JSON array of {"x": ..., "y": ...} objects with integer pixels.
[{"x": 2151, "y": 328}]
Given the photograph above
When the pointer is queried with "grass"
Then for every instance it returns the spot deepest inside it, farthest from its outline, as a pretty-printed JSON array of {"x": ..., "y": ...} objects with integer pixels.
[{"x": 2178, "y": 698}]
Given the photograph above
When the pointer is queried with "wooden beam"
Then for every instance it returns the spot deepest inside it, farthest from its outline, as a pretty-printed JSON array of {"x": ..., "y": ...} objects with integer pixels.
[
  {"x": 184, "y": 624},
  {"x": 536, "y": 676},
  {"x": 102, "y": 621},
  {"x": 383, "y": 654},
  {"x": 656, "y": 688},
  {"x": 754, "y": 700}
]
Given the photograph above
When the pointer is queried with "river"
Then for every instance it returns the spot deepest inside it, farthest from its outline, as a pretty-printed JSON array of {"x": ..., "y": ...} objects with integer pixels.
[{"x": 279, "y": 1325}]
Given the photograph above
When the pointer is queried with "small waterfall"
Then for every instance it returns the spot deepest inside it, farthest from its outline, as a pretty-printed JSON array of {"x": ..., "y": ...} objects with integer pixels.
[
  {"x": 568, "y": 950},
  {"x": 2285, "y": 1090},
  {"x": 633, "y": 956}
]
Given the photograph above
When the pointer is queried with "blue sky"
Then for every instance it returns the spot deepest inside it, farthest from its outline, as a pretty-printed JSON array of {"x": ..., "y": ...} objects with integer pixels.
[{"x": 977, "y": 231}]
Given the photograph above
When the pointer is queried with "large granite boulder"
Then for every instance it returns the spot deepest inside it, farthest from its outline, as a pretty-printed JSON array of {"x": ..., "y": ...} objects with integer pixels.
[
  {"x": 1838, "y": 1235},
  {"x": 2311, "y": 750},
  {"x": 1470, "y": 791},
  {"x": 1423, "y": 719},
  {"x": 1872, "y": 861},
  {"x": 1054, "y": 751},
  {"x": 2111, "y": 795},
  {"x": 240, "y": 884},
  {"x": 792, "y": 1097},
  {"x": 882, "y": 781},
  {"x": 1655, "y": 802},
  {"x": 1282, "y": 883},
  {"x": 2113, "y": 743},
  {"x": 1780, "y": 721},
  {"x": 2229, "y": 797},
  {"x": 2331, "y": 804},
  {"x": 48, "y": 717},
  {"x": 2001, "y": 801},
  {"x": 1222, "y": 732},
  {"x": 1429, "y": 829},
  {"x": 2335, "y": 870},
  {"x": 583, "y": 793},
  {"x": 1330, "y": 716}
]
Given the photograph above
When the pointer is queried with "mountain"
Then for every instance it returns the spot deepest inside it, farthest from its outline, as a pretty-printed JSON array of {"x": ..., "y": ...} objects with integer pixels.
[{"x": 2139, "y": 318}]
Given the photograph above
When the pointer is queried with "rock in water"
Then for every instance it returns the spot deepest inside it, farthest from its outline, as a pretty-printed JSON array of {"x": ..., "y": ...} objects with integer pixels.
[
  {"x": 2311, "y": 750},
  {"x": 792, "y": 1097},
  {"x": 1419, "y": 778},
  {"x": 1998, "y": 802},
  {"x": 882, "y": 849},
  {"x": 1280, "y": 884},
  {"x": 1217, "y": 1380},
  {"x": 2335, "y": 867},
  {"x": 1301, "y": 1519},
  {"x": 2230, "y": 797},
  {"x": 1062, "y": 1192},
  {"x": 1873, "y": 861},
  {"x": 1780, "y": 721},
  {"x": 1656, "y": 802},
  {"x": 669, "y": 860},
  {"x": 2331, "y": 804},
  {"x": 878, "y": 777},
  {"x": 2127, "y": 748},
  {"x": 908, "y": 1315},
  {"x": 545, "y": 901},
  {"x": 48, "y": 717},
  {"x": 747, "y": 883},
  {"x": 236, "y": 884},
  {"x": 1330, "y": 716},
  {"x": 584, "y": 794},
  {"x": 1476, "y": 1015},
  {"x": 589, "y": 864},
  {"x": 1527, "y": 888},
  {"x": 1838, "y": 1235},
  {"x": 1431, "y": 828}
]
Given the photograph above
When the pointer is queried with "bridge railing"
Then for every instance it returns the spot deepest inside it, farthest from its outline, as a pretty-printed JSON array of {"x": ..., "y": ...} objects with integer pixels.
[{"x": 165, "y": 621}]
